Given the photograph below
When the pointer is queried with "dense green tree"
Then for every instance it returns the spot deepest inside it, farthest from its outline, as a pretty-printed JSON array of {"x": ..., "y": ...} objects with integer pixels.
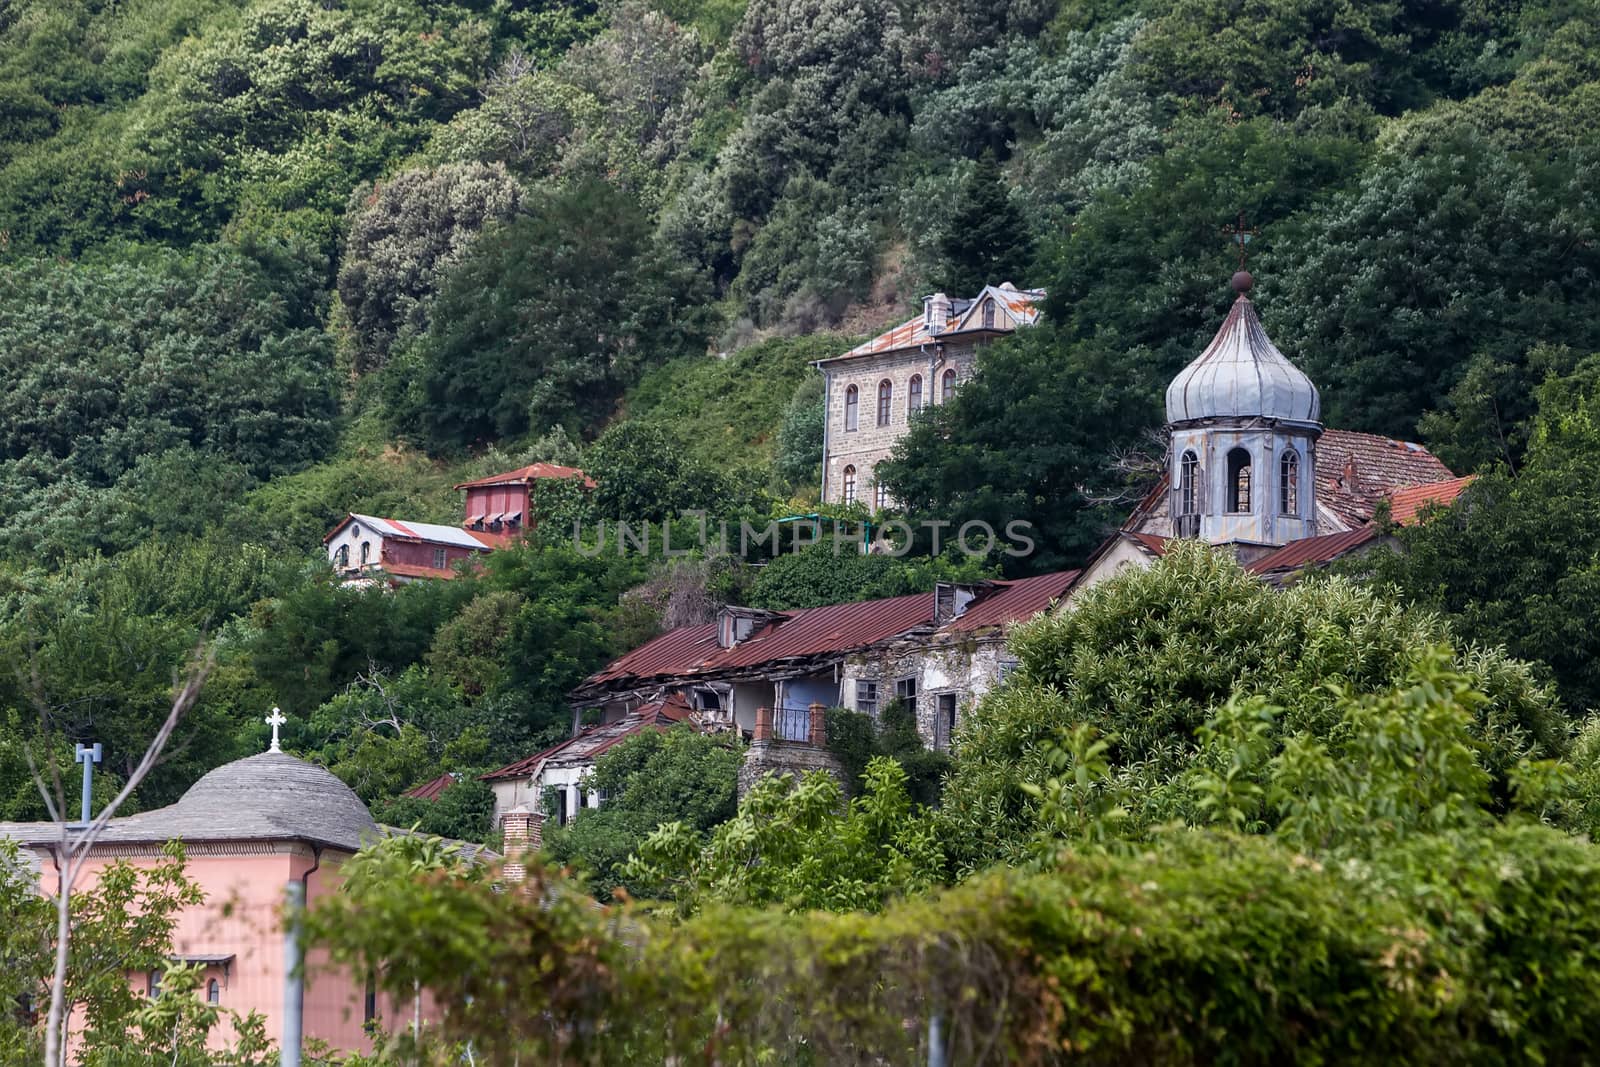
[
  {"x": 1146, "y": 659},
  {"x": 1495, "y": 254},
  {"x": 463, "y": 812},
  {"x": 404, "y": 235},
  {"x": 583, "y": 302},
  {"x": 134, "y": 355},
  {"x": 987, "y": 241},
  {"x": 1052, "y": 427},
  {"x": 1513, "y": 562},
  {"x": 676, "y": 776},
  {"x": 643, "y": 475},
  {"x": 799, "y": 845},
  {"x": 826, "y": 573}
]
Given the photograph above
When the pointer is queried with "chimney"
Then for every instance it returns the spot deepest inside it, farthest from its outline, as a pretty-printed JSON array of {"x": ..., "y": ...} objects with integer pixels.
[
  {"x": 936, "y": 312},
  {"x": 523, "y": 832},
  {"x": 1350, "y": 476}
]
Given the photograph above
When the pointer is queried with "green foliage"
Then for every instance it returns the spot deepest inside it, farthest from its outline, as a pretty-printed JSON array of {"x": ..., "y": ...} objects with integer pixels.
[
  {"x": 723, "y": 410},
  {"x": 644, "y": 475},
  {"x": 1513, "y": 563},
  {"x": 823, "y": 574},
  {"x": 463, "y": 812},
  {"x": 143, "y": 354},
  {"x": 855, "y": 739},
  {"x": 1384, "y": 335},
  {"x": 585, "y": 301},
  {"x": 1146, "y": 659},
  {"x": 679, "y": 776},
  {"x": 405, "y": 234},
  {"x": 799, "y": 845},
  {"x": 798, "y": 461},
  {"x": 1202, "y": 947},
  {"x": 987, "y": 240}
]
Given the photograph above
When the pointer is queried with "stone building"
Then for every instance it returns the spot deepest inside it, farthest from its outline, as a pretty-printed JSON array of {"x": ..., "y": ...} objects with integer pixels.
[{"x": 873, "y": 390}]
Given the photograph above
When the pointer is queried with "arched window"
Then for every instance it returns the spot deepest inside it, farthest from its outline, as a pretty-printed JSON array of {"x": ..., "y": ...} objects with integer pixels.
[
  {"x": 880, "y": 493},
  {"x": 914, "y": 395},
  {"x": 213, "y": 992},
  {"x": 988, "y": 314},
  {"x": 1189, "y": 484},
  {"x": 366, "y": 553},
  {"x": 850, "y": 485},
  {"x": 852, "y": 405},
  {"x": 152, "y": 984},
  {"x": 885, "y": 402},
  {"x": 1239, "y": 480},
  {"x": 1289, "y": 483},
  {"x": 341, "y": 559},
  {"x": 947, "y": 386}
]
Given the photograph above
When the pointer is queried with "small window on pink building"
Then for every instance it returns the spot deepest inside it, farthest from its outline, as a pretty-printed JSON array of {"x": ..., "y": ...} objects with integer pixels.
[
  {"x": 213, "y": 992},
  {"x": 439, "y": 559}
]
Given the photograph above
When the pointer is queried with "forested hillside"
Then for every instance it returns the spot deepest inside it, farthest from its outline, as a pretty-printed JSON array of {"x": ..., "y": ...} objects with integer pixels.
[{"x": 263, "y": 262}]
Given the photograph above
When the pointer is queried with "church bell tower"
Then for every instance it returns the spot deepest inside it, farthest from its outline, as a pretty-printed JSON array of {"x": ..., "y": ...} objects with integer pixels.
[{"x": 1244, "y": 424}]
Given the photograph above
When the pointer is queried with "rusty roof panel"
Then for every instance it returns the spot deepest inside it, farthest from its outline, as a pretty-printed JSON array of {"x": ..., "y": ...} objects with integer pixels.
[
  {"x": 1312, "y": 550},
  {"x": 1011, "y": 602}
]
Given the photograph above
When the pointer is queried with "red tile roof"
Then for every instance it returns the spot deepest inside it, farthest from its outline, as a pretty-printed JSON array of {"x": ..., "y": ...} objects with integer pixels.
[
  {"x": 1309, "y": 551},
  {"x": 594, "y": 741},
  {"x": 431, "y": 790},
  {"x": 1355, "y": 471},
  {"x": 1406, "y": 505},
  {"x": 1012, "y": 602},
  {"x": 532, "y": 472}
]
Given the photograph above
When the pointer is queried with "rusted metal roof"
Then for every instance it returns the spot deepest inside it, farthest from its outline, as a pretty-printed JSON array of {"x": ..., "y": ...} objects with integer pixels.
[
  {"x": 1309, "y": 551},
  {"x": 693, "y": 650},
  {"x": 591, "y": 743},
  {"x": 1355, "y": 471},
  {"x": 524, "y": 475},
  {"x": 1154, "y": 544},
  {"x": 1406, "y": 505},
  {"x": 1022, "y": 305},
  {"x": 1010, "y": 602},
  {"x": 431, "y": 790},
  {"x": 430, "y": 533}
]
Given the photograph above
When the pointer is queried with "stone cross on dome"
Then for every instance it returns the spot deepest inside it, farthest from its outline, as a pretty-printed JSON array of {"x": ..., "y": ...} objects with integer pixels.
[{"x": 275, "y": 720}]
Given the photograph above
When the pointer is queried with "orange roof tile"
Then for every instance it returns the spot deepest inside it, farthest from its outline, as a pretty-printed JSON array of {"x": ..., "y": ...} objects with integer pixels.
[
  {"x": 1406, "y": 505},
  {"x": 532, "y": 472}
]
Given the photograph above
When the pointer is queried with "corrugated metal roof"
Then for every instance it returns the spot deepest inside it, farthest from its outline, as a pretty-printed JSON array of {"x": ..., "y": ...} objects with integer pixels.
[
  {"x": 532, "y": 472},
  {"x": 1020, "y": 304},
  {"x": 1406, "y": 505},
  {"x": 431, "y": 790},
  {"x": 794, "y": 634},
  {"x": 424, "y": 532},
  {"x": 1011, "y": 602},
  {"x": 1155, "y": 544},
  {"x": 1312, "y": 550},
  {"x": 595, "y": 740}
]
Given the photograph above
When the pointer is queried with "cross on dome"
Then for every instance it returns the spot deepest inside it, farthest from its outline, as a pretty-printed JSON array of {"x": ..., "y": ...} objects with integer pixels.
[
  {"x": 275, "y": 720},
  {"x": 1240, "y": 234}
]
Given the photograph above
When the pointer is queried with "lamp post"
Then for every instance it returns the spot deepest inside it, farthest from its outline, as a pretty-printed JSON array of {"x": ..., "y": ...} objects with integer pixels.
[{"x": 88, "y": 756}]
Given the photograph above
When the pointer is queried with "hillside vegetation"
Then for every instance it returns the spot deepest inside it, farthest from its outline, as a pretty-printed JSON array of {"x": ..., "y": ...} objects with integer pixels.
[{"x": 268, "y": 261}]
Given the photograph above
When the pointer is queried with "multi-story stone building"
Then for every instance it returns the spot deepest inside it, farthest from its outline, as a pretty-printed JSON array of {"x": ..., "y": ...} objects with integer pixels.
[{"x": 874, "y": 389}]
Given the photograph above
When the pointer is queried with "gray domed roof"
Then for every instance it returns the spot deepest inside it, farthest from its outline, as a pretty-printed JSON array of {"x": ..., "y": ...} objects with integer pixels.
[
  {"x": 269, "y": 797},
  {"x": 1241, "y": 374}
]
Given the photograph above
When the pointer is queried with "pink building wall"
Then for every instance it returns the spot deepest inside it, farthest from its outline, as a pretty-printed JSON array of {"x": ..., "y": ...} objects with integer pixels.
[{"x": 244, "y": 893}]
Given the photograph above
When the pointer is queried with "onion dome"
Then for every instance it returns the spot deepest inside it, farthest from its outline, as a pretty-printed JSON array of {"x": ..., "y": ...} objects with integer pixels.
[{"x": 1242, "y": 375}]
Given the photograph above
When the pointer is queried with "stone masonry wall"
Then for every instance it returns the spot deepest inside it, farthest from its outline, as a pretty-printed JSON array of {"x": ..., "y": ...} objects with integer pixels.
[{"x": 870, "y": 444}]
